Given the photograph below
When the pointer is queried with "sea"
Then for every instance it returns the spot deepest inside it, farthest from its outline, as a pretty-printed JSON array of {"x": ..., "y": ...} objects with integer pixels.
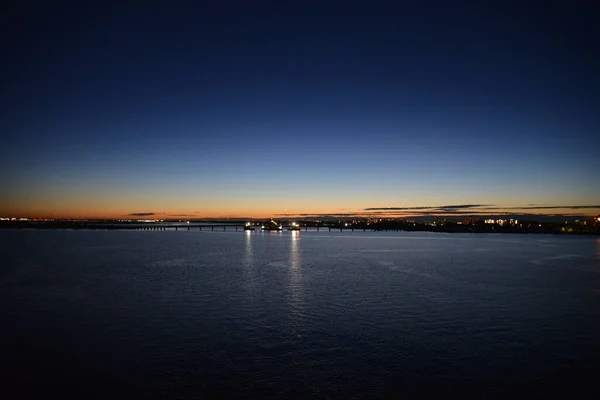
[{"x": 325, "y": 315}]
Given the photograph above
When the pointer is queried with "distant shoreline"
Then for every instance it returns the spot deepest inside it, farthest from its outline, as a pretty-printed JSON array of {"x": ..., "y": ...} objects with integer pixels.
[{"x": 547, "y": 228}]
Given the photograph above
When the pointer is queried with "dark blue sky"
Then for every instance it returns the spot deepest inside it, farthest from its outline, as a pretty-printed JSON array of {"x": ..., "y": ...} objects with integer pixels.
[{"x": 256, "y": 109}]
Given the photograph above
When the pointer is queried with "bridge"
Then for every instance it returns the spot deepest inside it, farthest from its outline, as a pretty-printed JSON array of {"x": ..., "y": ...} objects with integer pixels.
[
  {"x": 164, "y": 227},
  {"x": 218, "y": 227}
]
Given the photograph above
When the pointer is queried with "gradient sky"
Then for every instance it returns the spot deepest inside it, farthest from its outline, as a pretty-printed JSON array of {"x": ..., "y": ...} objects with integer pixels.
[{"x": 302, "y": 107}]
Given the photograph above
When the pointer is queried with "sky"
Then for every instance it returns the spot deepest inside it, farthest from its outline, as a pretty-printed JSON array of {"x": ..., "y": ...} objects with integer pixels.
[{"x": 180, "y": 109}]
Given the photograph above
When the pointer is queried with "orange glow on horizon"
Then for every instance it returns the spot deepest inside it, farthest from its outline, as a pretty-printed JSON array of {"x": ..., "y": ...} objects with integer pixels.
[
  {"x": 264, "y": 212},
  {"x": 158, "y": 205}
]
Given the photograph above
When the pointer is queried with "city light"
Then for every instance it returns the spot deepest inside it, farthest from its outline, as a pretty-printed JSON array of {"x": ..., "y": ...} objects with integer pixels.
[{"x": 590, "y": 224}]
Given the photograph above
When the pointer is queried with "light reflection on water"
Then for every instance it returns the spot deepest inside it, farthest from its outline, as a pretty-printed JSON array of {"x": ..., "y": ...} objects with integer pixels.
[
  {"x": 248, "y": 265},
  {"x": 249, "y": 253},
  {"x": 296, "y": 288}
]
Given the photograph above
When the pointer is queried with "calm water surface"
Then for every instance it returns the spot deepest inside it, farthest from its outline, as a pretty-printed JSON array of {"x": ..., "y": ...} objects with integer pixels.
[{"x": 299, "y": 314}]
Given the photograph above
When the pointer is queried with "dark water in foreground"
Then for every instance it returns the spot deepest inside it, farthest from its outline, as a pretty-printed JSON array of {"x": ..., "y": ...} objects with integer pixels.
[{"x": 362, "y": 315}]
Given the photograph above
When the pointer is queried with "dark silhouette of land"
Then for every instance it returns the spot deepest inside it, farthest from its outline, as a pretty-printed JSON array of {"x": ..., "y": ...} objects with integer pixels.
[{"x": 590, "y": 226}]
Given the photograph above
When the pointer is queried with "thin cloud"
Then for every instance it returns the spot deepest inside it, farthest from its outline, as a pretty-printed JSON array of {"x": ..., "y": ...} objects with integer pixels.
[
  {"x": 540, "y": 207},
  {"x": 317, "y": 215},
  {"x": 552, "y": 207},
  {"x": 477, "y": 207},
  {"x": 448, "y": 207},
  {"x": 460, "y": 206},
  {"x": 142, "y": 214},
  {"x": 451, "y": 210},
  {"x": 398, "y": 208}
]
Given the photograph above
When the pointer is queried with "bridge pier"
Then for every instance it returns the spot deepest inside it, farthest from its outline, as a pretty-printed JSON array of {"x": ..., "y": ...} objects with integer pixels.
[
  {"x": 306, "y": 229},
  {"x": 188, "y": 228},
  {"x": 236, "y": 228},
  {"x": 175, "y": 228},
  {"x": 212, "y": 228},
  {"x": 329, "y": 229},
  {"x": 223, "y": 227}
]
